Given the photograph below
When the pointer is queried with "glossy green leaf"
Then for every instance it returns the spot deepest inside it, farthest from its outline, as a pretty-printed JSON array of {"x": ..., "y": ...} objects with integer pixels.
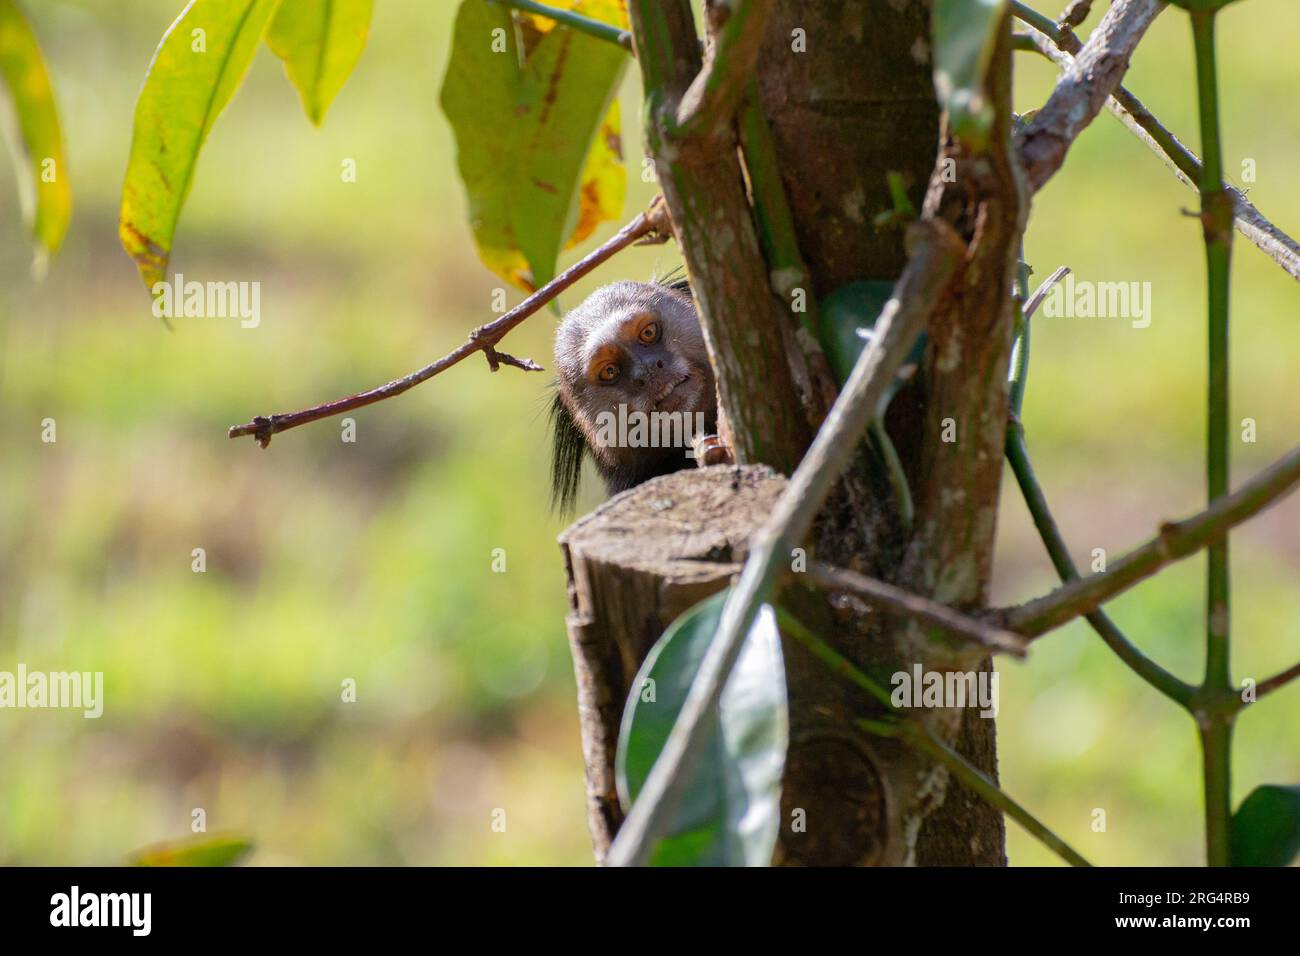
[
  {"x": 196, "y": 69},
  {"x": 846, "y": 319},
  {"x": 32, "y": 131},
  {"x": 196, "y": 851},
  {"x": 729, "y": 814},
  {"x": 320, "y": 42},
  {"x": 536, "y": 133},
  {"x": 1266, "y": 827},
  {"x": 965, "y": 35}
]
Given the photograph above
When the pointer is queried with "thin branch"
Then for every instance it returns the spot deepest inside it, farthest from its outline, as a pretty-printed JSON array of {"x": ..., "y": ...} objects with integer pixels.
[
  {"x": 892, "y": 598},
  {"x": 1058, "y": 45},
  {"x": 1083, "y": 88},
  {"x": 935, "y": 254},
  {"x": 653, "y": 225},
  {"x": 1272, "y": 684},
  {"x": 1110, "y": 633},
  {"x": 1175, "y": 541},
  {"x": 711, "y": 101},
  {"x": 594, "y": 28},
  {"x": 1041, "y": 292},
  {"x": 913, "y": 731},
  {"x": 1026, "y": 310}
]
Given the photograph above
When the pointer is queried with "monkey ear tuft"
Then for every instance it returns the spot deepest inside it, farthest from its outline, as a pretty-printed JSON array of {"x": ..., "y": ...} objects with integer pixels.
[
  {"x": 676, "y": 280},
  {"x": 568, "y": 445}
]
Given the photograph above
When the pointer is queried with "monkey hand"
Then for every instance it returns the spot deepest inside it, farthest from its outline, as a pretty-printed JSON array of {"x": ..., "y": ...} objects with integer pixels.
[{"x": 712, "y": 450}]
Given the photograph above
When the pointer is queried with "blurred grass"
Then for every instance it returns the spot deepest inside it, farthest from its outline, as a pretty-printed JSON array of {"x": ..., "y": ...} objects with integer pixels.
[{"x": 372, "y": 561}]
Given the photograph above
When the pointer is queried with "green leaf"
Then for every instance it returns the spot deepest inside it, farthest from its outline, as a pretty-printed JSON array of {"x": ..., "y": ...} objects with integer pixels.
[
  {"x": 194, "y": 851},
  {"x": 846, "y": 319},
  {"x": 730, "y": 812},
  {"x": 965, "y": 35},
  {"x": 32, "y": 130},
  {"x": 320, "y": 42},
  {"x": 1266, "y": 827},
  {"x": 536, "y": 133},
  {"x": 196, "y": 69}
]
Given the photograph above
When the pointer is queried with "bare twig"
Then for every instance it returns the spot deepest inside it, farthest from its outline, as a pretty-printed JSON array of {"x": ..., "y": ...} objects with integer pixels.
[
  {"x": 1175, "y": 541},
  {"x": 892, "y": 598},
  {"x": 653, "y": 225},
  {"x": 1273, "y": 683},
  {"x": 1041, "y": 292},
  {"x": 1036, "y": 501},
  {"x": 936, "y": 251},
  {"x": 1082, "y": 89},
  {"x": 1058, "y": 44}
]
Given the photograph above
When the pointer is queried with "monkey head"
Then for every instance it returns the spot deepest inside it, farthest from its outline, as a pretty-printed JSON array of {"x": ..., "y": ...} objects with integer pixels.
[{"x": 636, "y": 346}]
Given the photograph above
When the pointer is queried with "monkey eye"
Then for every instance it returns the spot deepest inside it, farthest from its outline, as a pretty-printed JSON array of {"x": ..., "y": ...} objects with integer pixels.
[
  {"x": 649, "y": 333},
  {"x": 608, "y": 372}
]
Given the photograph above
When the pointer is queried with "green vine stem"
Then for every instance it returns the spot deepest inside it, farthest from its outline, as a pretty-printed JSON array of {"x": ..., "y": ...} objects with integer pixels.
[
  {"x": 914, "y": 732},
  {"x": 595, "y": 28},
  {"x": 1216, "y": 220},
  {"x": 1146, "y": 668}
]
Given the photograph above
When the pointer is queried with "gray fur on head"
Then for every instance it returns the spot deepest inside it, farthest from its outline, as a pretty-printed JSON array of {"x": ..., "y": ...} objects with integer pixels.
[{"x": 669, "y": 374}]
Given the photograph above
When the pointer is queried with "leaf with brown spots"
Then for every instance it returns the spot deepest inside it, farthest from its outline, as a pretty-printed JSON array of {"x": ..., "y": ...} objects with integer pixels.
[
  {"x": 196, "y": 69},
  {"x": 537, "y": 133},
  {"x": 35, "y": 137}
]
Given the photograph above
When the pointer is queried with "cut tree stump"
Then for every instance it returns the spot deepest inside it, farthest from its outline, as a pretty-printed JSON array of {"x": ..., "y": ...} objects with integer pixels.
[
  {"x": 643, "y": 558},
  {"x": 635, "y": 564}
]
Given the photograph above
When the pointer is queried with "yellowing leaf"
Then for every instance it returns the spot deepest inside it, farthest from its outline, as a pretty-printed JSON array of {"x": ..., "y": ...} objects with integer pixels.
[
  {"x": 33, "y": 132},
  {"x": 320, "y": 42},
  {"x": 604, "y": 179},
  {"x": 526, "y": 125},
  {"x": 195, "y": 851},
  {"x": 196, "y": 69}
]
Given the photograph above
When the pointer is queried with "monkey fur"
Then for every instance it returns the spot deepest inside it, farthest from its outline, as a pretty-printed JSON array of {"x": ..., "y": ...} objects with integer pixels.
[{"x": 635, "y": 344}]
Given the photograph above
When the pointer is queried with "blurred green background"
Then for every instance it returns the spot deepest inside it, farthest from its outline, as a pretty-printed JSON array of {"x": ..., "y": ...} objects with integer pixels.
[{"x": 372, "y": 560}]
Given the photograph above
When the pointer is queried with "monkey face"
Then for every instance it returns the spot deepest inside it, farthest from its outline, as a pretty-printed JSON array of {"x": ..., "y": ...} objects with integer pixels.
[{"x": 635, "y": 345}]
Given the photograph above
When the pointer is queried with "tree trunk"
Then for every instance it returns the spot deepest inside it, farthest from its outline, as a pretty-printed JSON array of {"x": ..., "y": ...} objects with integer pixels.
[{"x": 847, "y": 91}]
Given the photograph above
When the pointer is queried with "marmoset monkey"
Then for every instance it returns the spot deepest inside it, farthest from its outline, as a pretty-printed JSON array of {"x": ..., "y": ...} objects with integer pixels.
[{"x": 634, "y": 389}]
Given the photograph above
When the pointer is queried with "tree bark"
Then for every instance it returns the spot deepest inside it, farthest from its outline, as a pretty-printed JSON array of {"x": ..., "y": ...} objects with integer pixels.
[{"x": 846, "y": 87}]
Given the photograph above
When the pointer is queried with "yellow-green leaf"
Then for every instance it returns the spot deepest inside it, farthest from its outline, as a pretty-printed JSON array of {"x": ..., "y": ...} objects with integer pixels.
[
  {"x": 33, "y": 132},
  {"x": 196, "y": 69},
  {"x": 320, "y": 42},
  {"x": 529, "y": 127},
  {"x": 604, "y": 179},
  {"x": 194, "y": 851}
]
